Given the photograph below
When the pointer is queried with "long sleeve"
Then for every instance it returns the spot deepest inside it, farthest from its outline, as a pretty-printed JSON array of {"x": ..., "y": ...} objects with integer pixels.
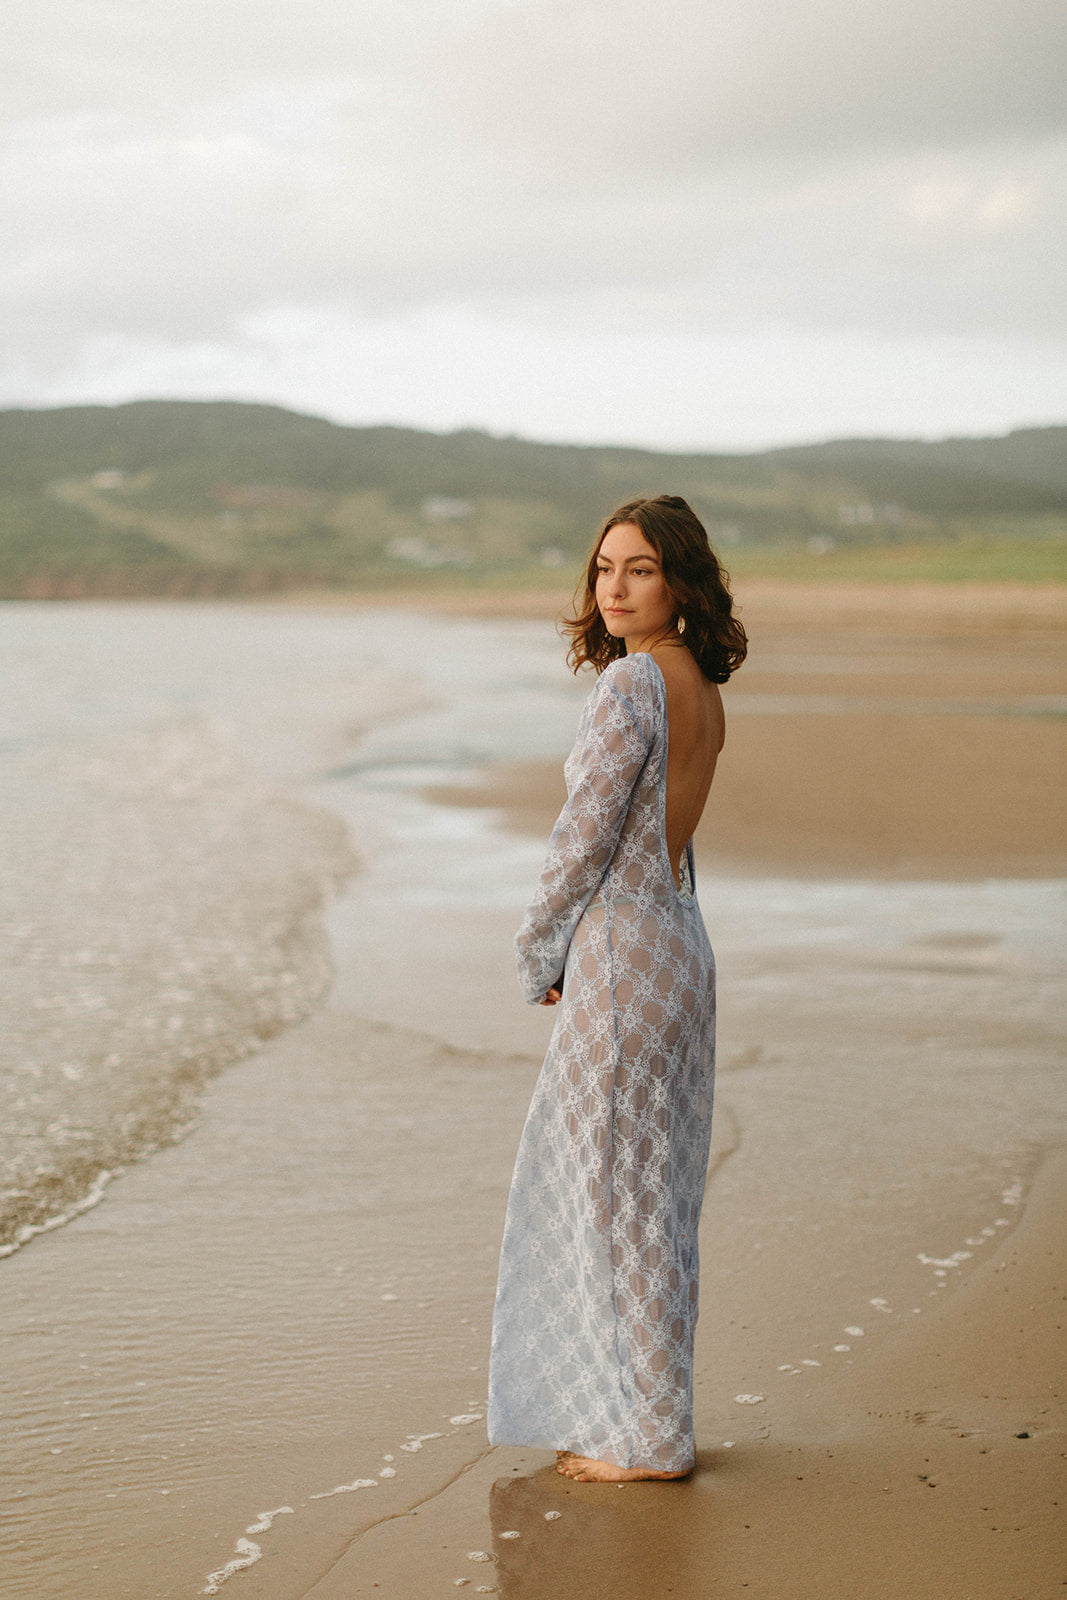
[{"x": 614, "y": 738}]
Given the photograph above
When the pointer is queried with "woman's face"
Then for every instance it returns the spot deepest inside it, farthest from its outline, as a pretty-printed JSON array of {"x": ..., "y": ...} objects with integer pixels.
[{"x": 631, "y": 593}]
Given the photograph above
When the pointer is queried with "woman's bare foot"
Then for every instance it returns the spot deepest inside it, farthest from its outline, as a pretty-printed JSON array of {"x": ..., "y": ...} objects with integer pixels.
[{"x": 584, "y": 1470}]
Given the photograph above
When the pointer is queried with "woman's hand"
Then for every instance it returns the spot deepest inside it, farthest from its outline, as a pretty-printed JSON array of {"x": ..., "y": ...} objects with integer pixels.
[{"x": 552, "y": 998}]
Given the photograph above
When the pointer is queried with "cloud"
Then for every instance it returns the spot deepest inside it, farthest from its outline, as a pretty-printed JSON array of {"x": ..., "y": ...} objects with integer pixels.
[
  {"x": 625, "y": 88},
  {"x": 175, "y": 178},
  {"x": 138, "y": 55}
]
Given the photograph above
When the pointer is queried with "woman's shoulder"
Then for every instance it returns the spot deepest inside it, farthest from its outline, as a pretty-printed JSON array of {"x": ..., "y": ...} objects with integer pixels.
[
  {"x": 629, "y": 672},
  {"x": 634, "y": 680}
]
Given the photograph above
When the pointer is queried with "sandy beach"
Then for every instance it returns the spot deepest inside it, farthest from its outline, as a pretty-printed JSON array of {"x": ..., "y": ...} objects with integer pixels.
[
  {"x": 257, "y": 1367},
  {"x": 912, "y": 733}
]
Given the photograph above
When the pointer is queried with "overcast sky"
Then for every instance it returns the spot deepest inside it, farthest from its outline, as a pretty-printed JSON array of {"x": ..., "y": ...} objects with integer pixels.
[{"x": 686, "y": 223}]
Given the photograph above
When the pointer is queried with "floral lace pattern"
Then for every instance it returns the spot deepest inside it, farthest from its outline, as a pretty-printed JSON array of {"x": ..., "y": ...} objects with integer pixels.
[{"x": 597, "y": 1298}]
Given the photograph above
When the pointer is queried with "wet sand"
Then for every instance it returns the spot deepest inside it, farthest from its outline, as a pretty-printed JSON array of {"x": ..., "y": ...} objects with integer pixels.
[
  {"x": 287, "y": 1313},
  {"x": 937, "y": 1472},
  {"x": 924, "y": 739}
]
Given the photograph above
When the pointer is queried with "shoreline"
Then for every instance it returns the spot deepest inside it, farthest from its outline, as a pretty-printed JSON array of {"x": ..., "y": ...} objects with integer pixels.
[{"x": 289, "y": 1308}]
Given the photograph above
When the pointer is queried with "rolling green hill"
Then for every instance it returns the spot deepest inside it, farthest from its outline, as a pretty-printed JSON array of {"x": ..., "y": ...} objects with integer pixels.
[{"x": 168, "y": 497}]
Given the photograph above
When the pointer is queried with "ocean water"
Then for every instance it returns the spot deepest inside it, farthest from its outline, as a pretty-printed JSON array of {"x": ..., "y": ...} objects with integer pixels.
[
  {"x": 159, "y": 918},
  {"x": 163, "y": 872}
]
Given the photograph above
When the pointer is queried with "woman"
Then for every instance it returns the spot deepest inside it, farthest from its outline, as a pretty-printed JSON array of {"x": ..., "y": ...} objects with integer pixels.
[{"x": 597, "y": 1300}]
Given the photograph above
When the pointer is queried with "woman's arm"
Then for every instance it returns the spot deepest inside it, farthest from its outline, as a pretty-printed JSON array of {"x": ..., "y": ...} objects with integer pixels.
[{"x": 612, "y": 748}]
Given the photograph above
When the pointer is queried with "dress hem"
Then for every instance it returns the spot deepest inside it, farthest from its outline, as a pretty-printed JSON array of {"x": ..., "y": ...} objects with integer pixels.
[{"x": 591, "y": 1455}]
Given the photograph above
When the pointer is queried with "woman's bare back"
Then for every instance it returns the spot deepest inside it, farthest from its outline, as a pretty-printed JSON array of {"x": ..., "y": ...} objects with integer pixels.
[{"x": 697, "y": 730}]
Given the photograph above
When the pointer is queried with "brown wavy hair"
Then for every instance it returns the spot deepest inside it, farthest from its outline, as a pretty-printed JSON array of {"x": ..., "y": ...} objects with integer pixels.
[{"x": 695, "y": 580}]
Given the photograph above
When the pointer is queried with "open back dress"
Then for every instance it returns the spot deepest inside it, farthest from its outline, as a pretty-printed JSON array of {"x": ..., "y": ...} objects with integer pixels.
[{"x": 597, "y": 1299}]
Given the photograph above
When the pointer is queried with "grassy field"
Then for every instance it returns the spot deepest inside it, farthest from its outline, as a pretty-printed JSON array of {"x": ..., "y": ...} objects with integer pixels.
[
  {"x": 967, "y": 559},
  {"x": 189, "y": 498}
]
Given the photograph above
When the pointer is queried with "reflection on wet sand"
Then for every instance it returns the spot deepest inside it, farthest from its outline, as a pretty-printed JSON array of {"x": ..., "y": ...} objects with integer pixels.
[{"x": 607, "y": 1541}]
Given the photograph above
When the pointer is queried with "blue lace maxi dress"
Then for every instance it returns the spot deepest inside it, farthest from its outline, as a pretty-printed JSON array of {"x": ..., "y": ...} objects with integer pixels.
[{"x": 597, "y": 1299}]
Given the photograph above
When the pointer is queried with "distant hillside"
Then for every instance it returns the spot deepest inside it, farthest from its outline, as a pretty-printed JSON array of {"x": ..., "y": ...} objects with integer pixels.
[{"x": 167, "y": 497}]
